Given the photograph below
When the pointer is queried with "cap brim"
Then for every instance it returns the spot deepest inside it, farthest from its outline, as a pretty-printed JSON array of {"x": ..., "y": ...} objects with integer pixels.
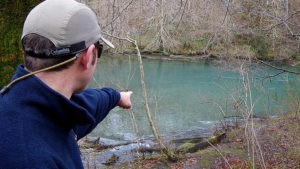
[{"x": 108, "y": 43}]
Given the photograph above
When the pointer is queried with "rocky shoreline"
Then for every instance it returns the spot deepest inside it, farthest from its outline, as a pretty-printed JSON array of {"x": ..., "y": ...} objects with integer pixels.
[
  {"x": 102, "y": 152},
  {"x": 99, "y": 152},
  {"x": 278, "y": 137}
]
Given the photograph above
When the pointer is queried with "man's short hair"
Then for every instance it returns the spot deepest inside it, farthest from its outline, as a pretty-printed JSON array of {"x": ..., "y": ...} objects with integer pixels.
[{"x": 39, "y": 45}]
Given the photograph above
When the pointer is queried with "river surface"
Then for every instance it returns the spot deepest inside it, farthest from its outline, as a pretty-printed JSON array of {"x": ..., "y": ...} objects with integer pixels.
[{"x": 184, "y": 97}]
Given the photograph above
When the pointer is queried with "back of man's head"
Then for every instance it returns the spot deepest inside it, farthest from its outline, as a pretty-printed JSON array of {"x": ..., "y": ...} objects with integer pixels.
[
  {"x": 57, "y": 30},
  {"x": 37, "y": 48}
]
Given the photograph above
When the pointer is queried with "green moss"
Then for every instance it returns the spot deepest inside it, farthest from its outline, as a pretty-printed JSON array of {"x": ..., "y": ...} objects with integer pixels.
[
  {"x": 297, "y": 64},
  {"x": 261, "y": 45},
  {"x": 234, "y": 133},
  {"x": 258, "y": 43},
  {"x": 200, "y": 43},
  {"x": 112, "y": 159},
  {"x": 186, "y": 146},
  {"x": 212, "y": 139},
  {"x": 234, "y": 151},
  {"x": 155, "y": 157},
  {"x": 242, "y": 50},
  {"x": 207, "y": 157}
]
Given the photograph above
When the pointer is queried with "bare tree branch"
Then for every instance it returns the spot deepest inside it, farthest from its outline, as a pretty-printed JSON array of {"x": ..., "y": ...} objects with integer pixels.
[
  {"x": 280, "y": 23},
  {"x": 210, "y": 41},
  {"x": 120, "y": 13},
  {"x": 181, "y": 15},
  {"x": 277, "y": 68},
  {"x": 281, "y": 20},
  {"x": 270, "y": 76}
]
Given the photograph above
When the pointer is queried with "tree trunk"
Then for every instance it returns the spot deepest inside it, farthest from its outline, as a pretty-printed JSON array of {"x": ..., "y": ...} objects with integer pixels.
[
  {"x": 287, "y": 8},
  {"x": 164, "y": 149},
  {"x": 161, "y": 25}
]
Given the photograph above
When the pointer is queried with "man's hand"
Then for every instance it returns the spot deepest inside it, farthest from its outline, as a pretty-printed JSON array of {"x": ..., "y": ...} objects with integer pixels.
[{"x": 125, "y": 101}]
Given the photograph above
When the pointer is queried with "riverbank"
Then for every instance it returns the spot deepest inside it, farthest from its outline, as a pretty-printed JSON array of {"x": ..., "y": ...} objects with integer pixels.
[
  {"x": 278, "y": 139},
  {"x": 159, "y": 55}
]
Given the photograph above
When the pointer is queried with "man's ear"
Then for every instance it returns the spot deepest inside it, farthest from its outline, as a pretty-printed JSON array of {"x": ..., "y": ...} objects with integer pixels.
[{"x": 87, "y": 57}]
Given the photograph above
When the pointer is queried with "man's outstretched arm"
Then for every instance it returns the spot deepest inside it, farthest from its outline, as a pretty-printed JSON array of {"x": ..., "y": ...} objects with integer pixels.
[{"x": 98, "y": 102}]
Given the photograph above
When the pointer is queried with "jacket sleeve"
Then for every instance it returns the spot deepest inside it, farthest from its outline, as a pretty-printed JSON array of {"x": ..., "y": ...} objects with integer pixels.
[{"x": 98, "y": 102}]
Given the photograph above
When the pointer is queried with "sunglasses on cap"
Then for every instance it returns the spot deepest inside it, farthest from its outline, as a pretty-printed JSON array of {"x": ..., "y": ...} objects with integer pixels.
[{"x": 100, "y": 48}]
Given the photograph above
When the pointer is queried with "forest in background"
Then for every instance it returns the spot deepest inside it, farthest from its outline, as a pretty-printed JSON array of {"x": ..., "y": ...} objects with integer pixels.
[{"x": 267, "y": 29}]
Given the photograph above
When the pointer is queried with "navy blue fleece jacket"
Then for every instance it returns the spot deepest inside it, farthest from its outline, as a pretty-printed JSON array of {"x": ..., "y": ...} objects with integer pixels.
[{"x": 38, "y": 126}]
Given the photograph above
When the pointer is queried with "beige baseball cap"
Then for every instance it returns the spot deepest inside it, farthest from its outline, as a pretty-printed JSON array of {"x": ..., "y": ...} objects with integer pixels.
[{"x": 70, "y": 25}]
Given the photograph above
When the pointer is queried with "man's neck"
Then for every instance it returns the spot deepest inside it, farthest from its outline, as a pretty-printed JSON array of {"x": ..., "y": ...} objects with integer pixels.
[{"x": 59, "y": 81}]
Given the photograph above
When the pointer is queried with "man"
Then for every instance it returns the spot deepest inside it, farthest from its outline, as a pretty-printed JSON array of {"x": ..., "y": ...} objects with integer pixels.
[{"x": 45, "y": 109}]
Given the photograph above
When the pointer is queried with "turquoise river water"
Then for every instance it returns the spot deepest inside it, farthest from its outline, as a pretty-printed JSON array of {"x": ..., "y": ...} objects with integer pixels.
[{"x": 184, "y": 96}]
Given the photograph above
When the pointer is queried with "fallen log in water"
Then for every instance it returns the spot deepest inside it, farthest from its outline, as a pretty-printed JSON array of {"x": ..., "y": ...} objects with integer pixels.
[
  {"x": 190, "y": 146},
  {"x": 97, "y": 146}
]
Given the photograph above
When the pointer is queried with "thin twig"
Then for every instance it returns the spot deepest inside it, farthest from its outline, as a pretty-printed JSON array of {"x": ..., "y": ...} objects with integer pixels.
[
  {"x": 270, "y": 76},
  {"x": 136, "y": 130},
  {"x": 219, "y": 153}
]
